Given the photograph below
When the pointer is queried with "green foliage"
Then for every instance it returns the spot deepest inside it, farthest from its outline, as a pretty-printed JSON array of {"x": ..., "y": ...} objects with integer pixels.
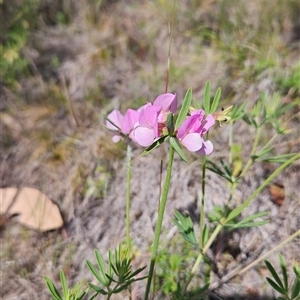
[
  {"x": 173, "y": 269},
  {"x": 228, "y": 218},
  {"x": 210, "y": 106},
  {"x": 224, "y": 170},
  {"x": 291, "y": 82},
  {"x": 176, "y": 147},
  {"x": 186, "y": 228},
  {"x": 118, "y": 272},
  {"x": 17, "y": 26},
  {"x": 268, "y": 110},
  {"x": 75, "y": 293},
  {"x": 290, "y": 291},
  {"x": 184, "y": 108}
]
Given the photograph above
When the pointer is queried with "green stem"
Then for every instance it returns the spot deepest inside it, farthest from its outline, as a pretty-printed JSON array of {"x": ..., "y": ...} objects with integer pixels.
[
  {"x": 201, "y": 255},
  {"x": 201, "y": 223},
  {"x": 250, "y": 161},
  {"x": 230, "y": 142},
  {"x": 160, "y": 220},
  {"x": 128, "y": 177},
  {"x": 266, "y": 182},
  {"x": 243, "y": 206},
  {"x": 247, "y": 166}
]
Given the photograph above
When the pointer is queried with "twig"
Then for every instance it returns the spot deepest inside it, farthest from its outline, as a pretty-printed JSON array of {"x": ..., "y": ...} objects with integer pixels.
[{"x": 75, "y": 120}]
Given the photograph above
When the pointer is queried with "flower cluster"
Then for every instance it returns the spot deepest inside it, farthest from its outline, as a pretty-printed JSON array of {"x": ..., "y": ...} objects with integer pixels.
[{"x": 147, "y": 124}]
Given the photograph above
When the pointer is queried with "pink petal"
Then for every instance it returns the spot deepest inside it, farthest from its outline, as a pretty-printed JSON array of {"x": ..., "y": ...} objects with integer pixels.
[
  {"x": 186, "y": 125},
  {"x": 207, "y": 148},
  {"x": 144, "y": 136},
  {"x": 209, "y": 122},
  {"x": 148, "y": 116},
  {"x": 130, "y": 119},
  {"x": 116, "y": 138},
  {"x": 116, "y": 117},
  {"x": 167, "y": 101},
  {"x": 192, "y": 141},
  {"x": 198, "y": 112}
]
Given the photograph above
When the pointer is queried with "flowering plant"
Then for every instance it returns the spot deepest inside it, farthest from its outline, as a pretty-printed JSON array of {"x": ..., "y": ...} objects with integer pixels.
[{"x": 151, "y": 122}]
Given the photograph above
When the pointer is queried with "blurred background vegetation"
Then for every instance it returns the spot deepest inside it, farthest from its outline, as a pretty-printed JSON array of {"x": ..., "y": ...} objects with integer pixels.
[{"x": 66, "y": 63}]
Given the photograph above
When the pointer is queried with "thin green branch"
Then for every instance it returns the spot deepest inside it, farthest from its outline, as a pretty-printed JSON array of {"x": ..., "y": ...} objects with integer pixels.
[
  {"x": 160, "y": 220},
  {"x": 128, "y": 178},
  {"x": 201, "y": 222}
]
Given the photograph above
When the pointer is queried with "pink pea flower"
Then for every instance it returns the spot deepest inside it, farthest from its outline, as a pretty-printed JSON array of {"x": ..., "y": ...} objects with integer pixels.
[
  {"x": 146, "y": 130},
  {"x": 152, "y": 117},
  {"x": 192, "y": 131},
  {"x": 125, "y": 124},
  {"x": 167, "y": 101}
]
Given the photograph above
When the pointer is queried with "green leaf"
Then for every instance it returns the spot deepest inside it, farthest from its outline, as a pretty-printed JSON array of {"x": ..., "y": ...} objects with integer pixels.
[
  {"x": 274, "y": 274},
  {"x": 121, "y": 288},
  {"x": 94, "y": 296},
  {"x": 252, "y": 217},
  {"x": 225, "y": 167},
  {"x": 215, "y": 102},
  {"x": 234, "y": 213},
  {"x": 227, "y": 174},
  {"x": 184, "y": 108},
  {"x": 279, "y": 158},
  {"x": 97, "y": 289},
  {"x": 95, "y": 273},
  {"x": 275, "y": 286},
  {"x": 155, "y": 144},
  {"x": 206, "y": 100},
  {"x": 83, "y": 294},
  {"x": 216, "y": 214},
  {"x": 170, "y": 124},
  {"x": 64, "y": 285},
  {"x": 177, "y": 149},
  {"x": 139, "y": 270},
  {"x": 186, "y": 228},
  {"x": 101, "y": 266},
  {"x": 246, "y": 225},
  {"x": 238, "y": 112},
  {"x": 296, "y": 288},
  {"x": 52, "y": 288},
  {"x": 284, "y": 272},
  {"x": 262, "y": 153}
]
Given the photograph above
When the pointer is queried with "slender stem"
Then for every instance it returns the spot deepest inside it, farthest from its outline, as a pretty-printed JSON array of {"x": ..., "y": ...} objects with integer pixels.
[
  {"x": 243, "y": 206},
  {"x": 247, "y": 166},
  {"x": 250, "y": 161},
  {"x": 171, "y": 27},
  {"x": 160, "y": 220},
  {"x": 212, "y": 237},
  {"x": 266, "y": 182},
  {"x": 230, "y": 142},
  {"x": 201, "y": 223},
  {"x": 128, "y": 177},
  {"x": 201, "y": 255}
]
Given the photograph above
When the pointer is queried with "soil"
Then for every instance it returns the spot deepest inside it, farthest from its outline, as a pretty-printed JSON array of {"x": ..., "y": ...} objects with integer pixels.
[{"x": 53, "y": 139}]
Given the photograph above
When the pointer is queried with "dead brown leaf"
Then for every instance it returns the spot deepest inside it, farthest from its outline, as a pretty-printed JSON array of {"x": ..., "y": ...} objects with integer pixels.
[{"x": 32, "y": 208}]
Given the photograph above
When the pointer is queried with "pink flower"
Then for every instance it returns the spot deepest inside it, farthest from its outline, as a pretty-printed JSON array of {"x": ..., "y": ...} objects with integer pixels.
[
  {"x": 152, "y": 117},
  {"x": 125, "y": 124},
  {"x": 167, "y": 101},
  {"x": 192, "y": 131},
  {"x": 146, "y": 130}
]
